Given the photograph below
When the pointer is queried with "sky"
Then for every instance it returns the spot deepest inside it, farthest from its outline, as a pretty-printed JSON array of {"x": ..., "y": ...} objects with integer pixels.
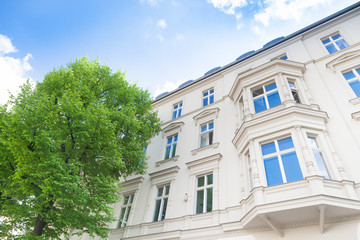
[{"x": 158, "y": 43}]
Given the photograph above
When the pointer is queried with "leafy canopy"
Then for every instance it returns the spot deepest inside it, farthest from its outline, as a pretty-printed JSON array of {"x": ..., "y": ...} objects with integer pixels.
[{"x": 63, "y": 147}]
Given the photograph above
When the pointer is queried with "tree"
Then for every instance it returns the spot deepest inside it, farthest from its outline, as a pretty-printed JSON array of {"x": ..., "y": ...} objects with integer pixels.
[{"x": 63, "y": 147}]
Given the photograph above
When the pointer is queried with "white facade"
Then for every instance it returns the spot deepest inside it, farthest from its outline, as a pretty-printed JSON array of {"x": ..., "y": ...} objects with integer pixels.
[{"x": 274, "y": 153}]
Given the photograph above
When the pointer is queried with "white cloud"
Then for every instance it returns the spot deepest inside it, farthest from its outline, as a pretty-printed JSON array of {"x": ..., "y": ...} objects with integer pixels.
[
  {"x": 167, "y": 87},
  {"x": 228, "y": 6},
  {"x": 151, "y": 2},
  {"x": 161, "y": 23},
  {"x": 179, "y": 37},
  {"x": 12, "y": 70},
  {"x": 285, "y": 10},
  {"x": 161, "y": 38}
]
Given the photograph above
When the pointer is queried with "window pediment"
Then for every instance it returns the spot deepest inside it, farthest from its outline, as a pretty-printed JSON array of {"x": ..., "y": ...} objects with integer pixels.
[
  {"x": 167, "y": 174},
  {"x": 344, "y": 58},
  {"x": 209, "y": 162},
  {"x": 265, "y": 71},
  {"x": 131, "y": 185},
  {"x": 208, "y": 113},
  {"x": 172, "y": 128}
]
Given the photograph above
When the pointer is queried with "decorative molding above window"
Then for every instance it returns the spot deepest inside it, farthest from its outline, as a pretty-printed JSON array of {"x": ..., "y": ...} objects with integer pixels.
[
  {"x": 161, "y": 176},
  {"x": 356, "y": 116},
  {"x": 208, "y": 162},
  {"x": 355, "y": 101},
  {"x": 344, "y": 58},
  {"x": 172, "y": 128},
  {"x": 208, "y": 113},
  {"x": 131, "y": 185}
]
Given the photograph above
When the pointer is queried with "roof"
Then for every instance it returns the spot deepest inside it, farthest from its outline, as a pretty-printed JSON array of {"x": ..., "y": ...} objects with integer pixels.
[{"x": 267, "y": 46}]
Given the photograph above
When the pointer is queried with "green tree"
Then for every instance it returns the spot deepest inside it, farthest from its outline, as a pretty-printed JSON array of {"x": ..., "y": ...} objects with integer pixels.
[{"x": 63, "y": 147}]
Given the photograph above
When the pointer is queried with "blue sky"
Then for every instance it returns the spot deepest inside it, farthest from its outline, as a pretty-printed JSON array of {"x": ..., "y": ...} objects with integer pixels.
[{"x": 159, "y": 43}]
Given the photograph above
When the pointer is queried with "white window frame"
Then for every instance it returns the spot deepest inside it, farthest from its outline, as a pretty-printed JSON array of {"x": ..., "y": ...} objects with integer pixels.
[
  {"x": 357, "y": 78},
  {"x": 249, "y": 170},
  {"x": 172, "y": 145},
  {"x": 207, "y": 133},
  {"x": 164, "y": 196},
  {"x": 204, "y": 188},
  {"x": 128, "y": 201},
  {"x": 265, "y": 94},
  {"x": 208, "y": 97},
  {"x": 319, "y": 149},
  {"x": 333, "y": 42},
  {"x": 294, "y": 89},
  {"x": 177, "y": 110}
]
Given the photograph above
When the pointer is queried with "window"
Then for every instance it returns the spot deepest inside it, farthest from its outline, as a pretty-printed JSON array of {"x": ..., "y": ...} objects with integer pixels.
[
  {"x": 125, "y": 210},
  {"x": 171, "y": 146},
  {"x": 208, "y": 97},
  {"x": 281, "y": 162},
  {"x": 294, "y": 91},
  {"x": 161, "y": 203},
  {"x": 284, "y": 57},
  {"x": 177, "y": 110},
  {"x": 334, "y": 43},
  {"x": 207, "y": 134},
  {"x": 353, "y": 77},
  {"x": 318, "y": 157},
  {"x": 204, "y": 194},
  {"x": 265, "y": 97}
]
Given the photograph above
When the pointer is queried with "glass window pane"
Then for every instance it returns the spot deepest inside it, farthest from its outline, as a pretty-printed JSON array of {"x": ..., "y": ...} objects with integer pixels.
[
  {"x": 203, "y": 140},
  {"x": 331, "y": 48},
  {"x": 284, "y": 57},
  {"x": 174, "y": 115},
  {"x": 126, "y": 199},
  {"x": 167, "y": 189},
  {"x": 157, "y": 210},
  {"x": 291, "y": 85},
  {"x": 175, "y": 138},
  {"x": 268, "y": 148},
  {"x": 358, "y": 71},
  {"x": 313, "y": 143},
  {"x": 200, "y": 201},
  {"x": 286, "y": 143},
  {"x": 211, "y": 125},
  {"x": 209, "y": 179},
  {"x": 259, "y": 104},
  {"x": 175, "y": 107},
  {"x": 122, "y": 213},
  {"x": 179, "y": 115},
  {"x": 212, "y": 91},
  {"x": 160, "y": 191},
  {"x": 291, "y": 167},
  {"x": 169, "y": 140},
  {"x": 211, "y": 99},
  {"x": 167, "y": 153},
  {"x": 349, "y": 75},
  {"x": 205, "y": 94},
  {"x": 173, "y": 150},
  {"x": 163, "y": 213},
  {"x": 205, "y": 102},
  {"x": 270, "y": 87},
  {"x": 258, "y": 91},
  {"x": 296, "y": 96},
  {"x": 337, "y": 36},
  {"x": 209, "y": 197},
  {"x": 342, "y": 44},
  {"x": 272, "y": 170},
  {"x": 321, "y": 164},
  {"x": 210, "y": 137},
  {"x": 355, "y": 85},
  {"x": 326, "y": 41},
  {"x": 274, "y": 99},
  {"x": 201, "y": 181},
  {"x": 127, "y": 213},
  {"x": 203, "y": 128},
  {"x": 131, "y": 198}
]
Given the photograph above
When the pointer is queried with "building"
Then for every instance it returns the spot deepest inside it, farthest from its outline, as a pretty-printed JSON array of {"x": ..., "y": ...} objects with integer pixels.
[{"x": 265, "y": 147}]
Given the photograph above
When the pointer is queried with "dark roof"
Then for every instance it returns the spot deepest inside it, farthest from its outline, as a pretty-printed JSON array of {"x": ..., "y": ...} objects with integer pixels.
[{"x": 267, "y": 46}]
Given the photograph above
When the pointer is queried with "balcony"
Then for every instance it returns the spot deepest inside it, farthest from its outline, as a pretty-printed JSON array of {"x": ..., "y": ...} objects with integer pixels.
[{"x": 309, "y": 201}]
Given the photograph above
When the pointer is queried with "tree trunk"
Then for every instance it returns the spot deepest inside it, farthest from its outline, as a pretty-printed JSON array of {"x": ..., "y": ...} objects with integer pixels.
[{"x": 39, "y": 226}]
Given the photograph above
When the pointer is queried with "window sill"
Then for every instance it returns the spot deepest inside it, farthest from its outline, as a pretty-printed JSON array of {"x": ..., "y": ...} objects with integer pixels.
[
  {"x": 158, "y": 163},
  {"x": 355, "y": 101},
  {"x": 214, "y": 146}
]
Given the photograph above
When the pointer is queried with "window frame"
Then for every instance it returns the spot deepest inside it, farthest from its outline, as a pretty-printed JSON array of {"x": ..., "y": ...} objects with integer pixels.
[
  {"x": 356, "y": 78},
  {"x": 207, "y": 132},
  {"x": 294, "y": 89},
  {"x": 160, "y": 215},
  {"x": 127, "y": 210},
  {"x": 333, "y": 42},
  {"x": 265, "y": 94},
  {"x": 209, "y": 97},
  {"x": 320, "y": 150},
  {"x": 204, "y": 188},
  {"x": 177, "y": 110},
  {"x": 173, "y": 146},
  {"x": 278, "y": 154}
]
